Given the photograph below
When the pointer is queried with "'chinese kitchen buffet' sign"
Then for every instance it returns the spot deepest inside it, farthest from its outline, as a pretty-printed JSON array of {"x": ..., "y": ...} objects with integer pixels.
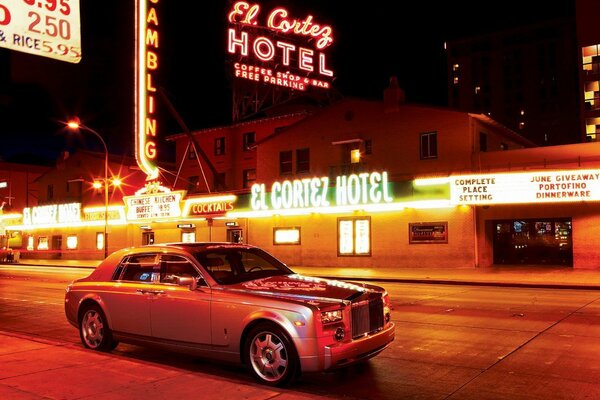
[
  {"x": 530, "y": 187},
  {"x": 278, "y": 48},
  {"x": 47, "y": 28},
  {"x": 160, "y": 205},
  {"x": 349, "y": 190}
]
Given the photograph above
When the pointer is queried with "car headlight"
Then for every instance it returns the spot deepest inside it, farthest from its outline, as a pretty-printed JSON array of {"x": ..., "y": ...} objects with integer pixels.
[{"x": 328, "y": 317}]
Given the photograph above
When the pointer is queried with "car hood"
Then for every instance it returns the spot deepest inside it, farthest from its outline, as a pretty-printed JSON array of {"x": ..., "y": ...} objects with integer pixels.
[{"x": 317, "y": 291}]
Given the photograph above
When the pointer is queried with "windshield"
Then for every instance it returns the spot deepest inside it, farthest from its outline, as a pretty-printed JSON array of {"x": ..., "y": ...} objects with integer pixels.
[{"x": 234, "y": 265}]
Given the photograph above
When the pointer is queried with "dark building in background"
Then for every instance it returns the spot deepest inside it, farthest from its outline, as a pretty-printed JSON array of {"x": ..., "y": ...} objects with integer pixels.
[
  {"x": 525, "y": 78},
  {"x": 588, "y": 38}
]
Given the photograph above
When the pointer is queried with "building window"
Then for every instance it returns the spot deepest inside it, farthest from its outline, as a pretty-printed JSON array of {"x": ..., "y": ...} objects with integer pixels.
[
  {"x": 99, "y": 240},
  {"x": 368, "y": 147},
  {"x": 592, "y": 95},
  {"x": 429, "y": 145},
  {"x": 192, "y": 153},
  {"x": 249, "y": 178},
  {"x": 354, "y": 236},
  {"x": 219, "y": 146},
  {"x": 483, "y": 141},
  {"x": 249, "y": 139},
  {"x": 72, "y": 242},
  {"x": 188, "y": 237},
  {"x": 591, "y": 59},
  {"x": 302, "y": 160},
  {"x": 43, "y": 243},
  {"x": 354, "y": 156},
  {"x": 286, "y": 236},
  {"x": 285, "y": 162}
]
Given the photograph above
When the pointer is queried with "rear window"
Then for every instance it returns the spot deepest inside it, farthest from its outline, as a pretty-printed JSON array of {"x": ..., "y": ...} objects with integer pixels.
[{"x": 138, "y": 268}]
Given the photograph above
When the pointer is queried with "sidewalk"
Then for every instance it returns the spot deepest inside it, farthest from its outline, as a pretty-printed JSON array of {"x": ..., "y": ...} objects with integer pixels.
[
  {"x": 36, "y": 368},
  {"x": 513, "y": 275}
]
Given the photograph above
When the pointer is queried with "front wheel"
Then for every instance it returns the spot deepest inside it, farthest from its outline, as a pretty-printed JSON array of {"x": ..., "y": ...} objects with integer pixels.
[
  {"x": 94, "y": 331},
  {"x": 271, "y": 356}
]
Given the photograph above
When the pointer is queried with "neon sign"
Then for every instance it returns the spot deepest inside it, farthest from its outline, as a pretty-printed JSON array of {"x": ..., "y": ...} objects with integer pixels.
[
  {"x": 351, "y": 190},
  {"x": 209, "y": 206},
  {"x": 530, "y": 187},
  {"x": 251, "y": 44},
  {"x": 147, "y": 43},
  {"x": 52, "y": 214}
]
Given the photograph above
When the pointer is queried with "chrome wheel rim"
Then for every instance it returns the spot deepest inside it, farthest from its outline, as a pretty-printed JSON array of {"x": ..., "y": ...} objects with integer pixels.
[
  {"x": 268, "y": 356},
  {"x": 92, "y": 328}
]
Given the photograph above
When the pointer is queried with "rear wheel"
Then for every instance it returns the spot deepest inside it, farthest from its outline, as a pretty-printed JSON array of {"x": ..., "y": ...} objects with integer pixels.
[
  {"x": 271, "y": 356},
  {"x": 94, "y": 331}
]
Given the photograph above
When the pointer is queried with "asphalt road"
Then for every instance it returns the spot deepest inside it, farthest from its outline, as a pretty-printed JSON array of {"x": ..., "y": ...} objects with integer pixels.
[{"x": 452, "y": 342}]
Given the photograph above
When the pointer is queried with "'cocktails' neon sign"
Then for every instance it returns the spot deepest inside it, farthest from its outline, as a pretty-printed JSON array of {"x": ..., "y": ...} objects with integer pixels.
[
  {"x": 252, "y": 47},
  {"x": 145, "y": 89}
]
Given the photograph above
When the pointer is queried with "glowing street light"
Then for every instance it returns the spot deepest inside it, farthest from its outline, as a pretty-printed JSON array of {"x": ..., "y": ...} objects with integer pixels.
[{"x": 75, "y": 124}]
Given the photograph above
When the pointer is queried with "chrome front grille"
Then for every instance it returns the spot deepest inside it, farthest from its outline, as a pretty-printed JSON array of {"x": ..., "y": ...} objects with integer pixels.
[{"x": 367, "y": 315}]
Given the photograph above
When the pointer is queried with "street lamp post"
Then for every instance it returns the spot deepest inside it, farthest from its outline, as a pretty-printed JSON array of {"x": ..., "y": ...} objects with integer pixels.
[{"x": 75, "y": 124}]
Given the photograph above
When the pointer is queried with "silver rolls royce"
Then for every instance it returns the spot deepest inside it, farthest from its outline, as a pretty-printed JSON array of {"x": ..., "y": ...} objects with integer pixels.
[{"x": 231, "y": 302}]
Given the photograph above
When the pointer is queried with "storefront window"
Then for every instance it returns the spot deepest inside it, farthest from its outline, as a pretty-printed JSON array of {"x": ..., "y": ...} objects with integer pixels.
[
  {"x": 30, "y": 243},
  {"x": 99, "y": 240},
  {"x": 286, "y": 235},
  {"x": 72, "y": 242},
  {"x": 188, "y": 237},
  {"x": 42, "y": 243},
  {"x": 354, "y": 236},
  {"x": 546, "y": 241}
]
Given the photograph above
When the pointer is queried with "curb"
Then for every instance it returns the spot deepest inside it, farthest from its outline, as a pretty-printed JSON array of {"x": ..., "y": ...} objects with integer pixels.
[{"x": 532, "y": 285}]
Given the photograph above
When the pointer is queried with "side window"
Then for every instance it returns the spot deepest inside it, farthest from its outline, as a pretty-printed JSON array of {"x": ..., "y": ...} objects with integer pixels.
[
  {"x": 138, "y": 268},
  {"x": 173, "y": 267},
  {"x": 218, "y": 266}
]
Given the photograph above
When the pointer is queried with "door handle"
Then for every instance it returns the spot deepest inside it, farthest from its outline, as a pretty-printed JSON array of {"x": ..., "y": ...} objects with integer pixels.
[{"x": 147, "y": 291}]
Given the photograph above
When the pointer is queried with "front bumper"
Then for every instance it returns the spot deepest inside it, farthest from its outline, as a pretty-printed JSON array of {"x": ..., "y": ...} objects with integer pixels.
[{"x": 346, "y": 353}]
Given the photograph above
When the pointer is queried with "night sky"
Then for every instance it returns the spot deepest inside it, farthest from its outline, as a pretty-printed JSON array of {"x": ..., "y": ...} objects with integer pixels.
[{"x": 372, "y": 43}]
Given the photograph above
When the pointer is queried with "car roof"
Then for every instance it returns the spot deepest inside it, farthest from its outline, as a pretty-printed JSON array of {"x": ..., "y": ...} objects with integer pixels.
[{"x": 196, "y": 246}]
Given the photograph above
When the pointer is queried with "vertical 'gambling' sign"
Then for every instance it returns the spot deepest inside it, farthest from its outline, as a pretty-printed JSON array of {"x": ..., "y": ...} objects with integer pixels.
[{"x": 146, "y": 128}]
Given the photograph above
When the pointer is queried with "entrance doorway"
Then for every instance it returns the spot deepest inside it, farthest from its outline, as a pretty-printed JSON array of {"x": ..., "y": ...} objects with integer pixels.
[
  {"x": 546, "y": 241},
  {"x": 147, "y": 238},
  {"x": 235, "y": 236}
]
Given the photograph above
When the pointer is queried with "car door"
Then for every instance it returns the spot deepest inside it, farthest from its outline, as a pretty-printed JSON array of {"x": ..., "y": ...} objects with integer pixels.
[
  {"x": 128, "y": 301},
  {"x": 178, "y": 313}
]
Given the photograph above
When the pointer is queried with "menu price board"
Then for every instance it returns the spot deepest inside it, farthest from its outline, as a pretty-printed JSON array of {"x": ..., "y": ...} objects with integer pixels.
[
  {"x": 428, "y": 232},
  {"x": 47, "y": 28}
]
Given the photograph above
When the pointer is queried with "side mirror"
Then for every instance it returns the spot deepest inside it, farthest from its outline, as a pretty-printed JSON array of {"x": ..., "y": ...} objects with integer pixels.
[{"x": 188, "y": 281}]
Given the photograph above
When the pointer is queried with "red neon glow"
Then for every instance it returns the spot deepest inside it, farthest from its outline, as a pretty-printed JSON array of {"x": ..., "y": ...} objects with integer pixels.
[
  {"x": 247, "y": 14},
  {"x": 265, "y": 50},
  {"x": 278, "y": 20}
]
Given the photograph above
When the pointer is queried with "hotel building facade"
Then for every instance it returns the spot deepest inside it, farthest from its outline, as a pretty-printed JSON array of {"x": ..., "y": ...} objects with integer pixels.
[{"x": 360, "y": 183}]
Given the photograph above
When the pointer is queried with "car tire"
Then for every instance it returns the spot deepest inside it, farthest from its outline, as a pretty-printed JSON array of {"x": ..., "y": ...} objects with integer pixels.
[
  {"x": 271, "y": 355},
  {"x": 94, "y": 331}
]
